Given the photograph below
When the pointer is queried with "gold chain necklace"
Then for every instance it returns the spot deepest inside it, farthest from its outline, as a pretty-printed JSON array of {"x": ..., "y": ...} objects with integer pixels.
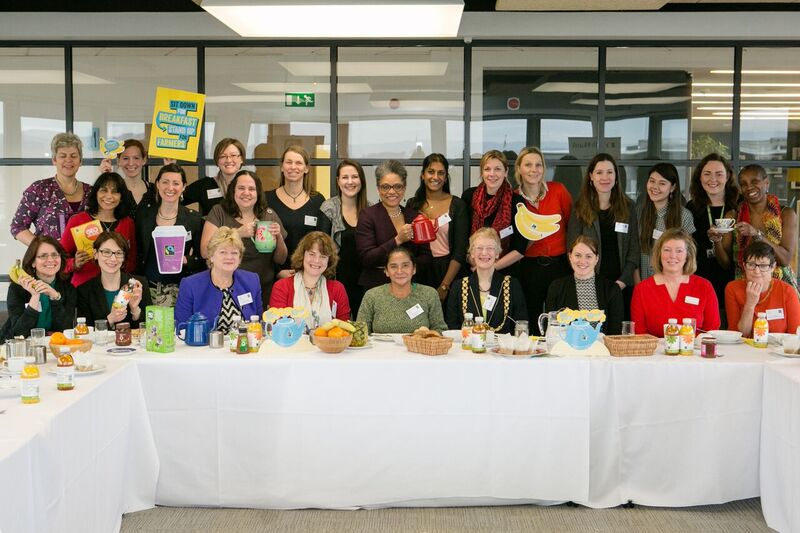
[{"x": 74, "y": 189}]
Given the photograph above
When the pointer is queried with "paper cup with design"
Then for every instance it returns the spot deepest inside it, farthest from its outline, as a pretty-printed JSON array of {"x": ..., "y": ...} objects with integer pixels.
[
  {"x": 724, "y": 223},
  {"x": 170, "y": 242},
  {"x": 263, "y": 239}
]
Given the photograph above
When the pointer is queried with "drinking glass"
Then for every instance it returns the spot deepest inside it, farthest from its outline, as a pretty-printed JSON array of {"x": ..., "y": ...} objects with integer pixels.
[
  {"x": 37, "y": 336},
  {"x": 628, "y": 327},
  {"x": 101, "y": 332},
  {"x": 521, "y": 328}
]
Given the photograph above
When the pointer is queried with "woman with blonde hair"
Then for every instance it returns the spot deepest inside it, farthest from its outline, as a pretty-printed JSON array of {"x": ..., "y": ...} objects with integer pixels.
[
  {"x": 496, "y": 297},
  {"x": 223, "y": 292},
  {"x": 312, "y": 286},
  {"x": 229, "y": 155},
  {"x": 296, "y": 201}
]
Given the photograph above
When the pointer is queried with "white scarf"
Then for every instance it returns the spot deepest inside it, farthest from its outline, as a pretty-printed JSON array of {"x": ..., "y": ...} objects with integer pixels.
[{"x": 322, "y": 304}]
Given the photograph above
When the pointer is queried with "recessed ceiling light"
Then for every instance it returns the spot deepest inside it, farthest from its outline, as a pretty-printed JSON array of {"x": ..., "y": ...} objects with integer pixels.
[{"x": 48, "y": 77}]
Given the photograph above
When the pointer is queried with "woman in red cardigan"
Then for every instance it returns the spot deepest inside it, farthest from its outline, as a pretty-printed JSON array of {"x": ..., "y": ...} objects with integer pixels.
[
  {"x": 674, "y": 291},
  {"x": 314, "y": 261},
  {"x": 110, "y": 203}
]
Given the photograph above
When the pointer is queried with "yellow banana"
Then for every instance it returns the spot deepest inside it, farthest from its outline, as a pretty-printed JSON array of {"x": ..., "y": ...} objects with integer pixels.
[
  {"x": 533, "y": 226},
  {"x": 16, "y": 273}
]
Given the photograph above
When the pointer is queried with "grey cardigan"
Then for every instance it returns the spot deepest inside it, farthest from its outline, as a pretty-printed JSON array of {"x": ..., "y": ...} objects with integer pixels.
[
  {"x": 332, "y": 222},
  {"x": 627, "y": 243}
]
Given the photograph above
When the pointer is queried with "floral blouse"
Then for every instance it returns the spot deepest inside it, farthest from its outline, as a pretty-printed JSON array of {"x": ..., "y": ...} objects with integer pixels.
[{"x": 44, "y": 205}]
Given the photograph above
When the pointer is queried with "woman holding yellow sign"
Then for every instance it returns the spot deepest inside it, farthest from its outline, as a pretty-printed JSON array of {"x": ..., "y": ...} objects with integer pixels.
[{"x": 107, "y": 210}]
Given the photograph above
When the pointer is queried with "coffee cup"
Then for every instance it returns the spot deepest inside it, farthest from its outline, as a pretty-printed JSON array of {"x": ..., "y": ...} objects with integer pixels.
[
  {"x": 262, "y": 238},
  {"x": 725, "y": 223}
]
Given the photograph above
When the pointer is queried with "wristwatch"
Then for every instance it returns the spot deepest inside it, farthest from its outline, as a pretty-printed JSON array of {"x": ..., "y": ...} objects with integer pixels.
[{"x": 759, "y": 235}]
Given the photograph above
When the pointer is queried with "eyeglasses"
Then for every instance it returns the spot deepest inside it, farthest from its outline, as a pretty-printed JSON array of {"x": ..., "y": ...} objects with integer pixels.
[
  {"x": 399, "y": 187},
  {"x": 43, "y": 257},
  {"x": 760, "y": 266},
  {"x": 119, "y": 254},
  {"x": 232, "y": 157}
]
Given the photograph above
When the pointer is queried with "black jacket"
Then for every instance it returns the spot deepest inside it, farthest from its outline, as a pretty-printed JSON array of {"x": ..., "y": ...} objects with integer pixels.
[
  {"x": 92, "y": 302},
  {"x": 146, "y": 223},
  {"x": 22, "y": 319},
  {"x": 456, "y": 306},
  {"x": 562, "y": 293}
]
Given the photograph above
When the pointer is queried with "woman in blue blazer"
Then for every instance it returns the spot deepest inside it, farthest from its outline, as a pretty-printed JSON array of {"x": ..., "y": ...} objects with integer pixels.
[{"x": 223, "y": 292}]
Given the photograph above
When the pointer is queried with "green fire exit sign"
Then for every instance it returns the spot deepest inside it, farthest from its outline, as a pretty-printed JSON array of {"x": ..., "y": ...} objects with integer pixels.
[{"x": 299, "y": 100}]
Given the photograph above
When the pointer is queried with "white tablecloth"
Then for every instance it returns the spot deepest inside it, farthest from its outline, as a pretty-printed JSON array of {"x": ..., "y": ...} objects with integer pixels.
[
  {"x": 79, "y": 459},
  {"x": 780, "y": 447}
]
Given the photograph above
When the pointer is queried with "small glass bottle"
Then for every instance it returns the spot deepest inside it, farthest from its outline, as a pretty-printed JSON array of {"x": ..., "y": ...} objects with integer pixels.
[
  {"x": 242, "y": 345},
  {"x": 81, "y": 329},
  {"x": 466, "y": 331},
  {"x": 479, "y": 336},
  {"x": 65, "y": 372},
  {"x": 29, "y": 381},
  {"x": 687, "y": 337},
  {"x": 233, "y": 333},
  {"x": 123, "y": 337},
  {"x": 672, "y": 337},
  {"x": 761, "y": 331}
]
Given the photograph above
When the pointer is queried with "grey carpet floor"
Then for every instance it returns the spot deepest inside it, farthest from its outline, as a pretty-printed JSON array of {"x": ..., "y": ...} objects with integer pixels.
[{"x": 736, "y": 517}]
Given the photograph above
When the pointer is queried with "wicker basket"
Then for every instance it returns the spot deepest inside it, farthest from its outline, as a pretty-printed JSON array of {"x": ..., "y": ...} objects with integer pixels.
[
  {"x": 332, "y": 344},
  {"x": 428, "y": 346},
  {"x": 631, "y": 345}
]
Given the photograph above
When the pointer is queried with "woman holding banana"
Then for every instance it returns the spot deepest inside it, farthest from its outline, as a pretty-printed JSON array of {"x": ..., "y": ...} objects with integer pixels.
[{"x": 39, "y": 296}]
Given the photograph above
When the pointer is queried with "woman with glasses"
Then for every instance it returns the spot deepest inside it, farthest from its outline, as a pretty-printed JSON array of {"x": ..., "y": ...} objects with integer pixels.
[
  {"x": 49, "y": 203},
  {"x": 110, "y": 204},
  {"x": 96, "y": 296},
  {"x": 449, "y": 214},
  {"x": 207, "y": 192},
  {"x": 295, "y": 201},
  {"x": 131, "y": 163},
  {"x": 762, "y": 219},
  {"x": 760, "y": 292},
  {"x": 43, "y": 298},
  {"x": 387, "y": 225}
]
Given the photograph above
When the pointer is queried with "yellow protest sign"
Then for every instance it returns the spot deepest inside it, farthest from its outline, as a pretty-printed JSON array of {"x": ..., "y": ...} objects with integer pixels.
[{"x": 177, "y": 120}]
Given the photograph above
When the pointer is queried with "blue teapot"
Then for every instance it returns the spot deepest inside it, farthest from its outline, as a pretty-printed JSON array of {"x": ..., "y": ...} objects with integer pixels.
[
  {"x": 287, "y": 331},
  {"x": 580, "y": 334},
  {"x": 196, "y": 328}
]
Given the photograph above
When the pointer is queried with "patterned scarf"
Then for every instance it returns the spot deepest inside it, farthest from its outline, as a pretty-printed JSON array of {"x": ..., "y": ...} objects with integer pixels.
[
  {"x": 500, "y": 203},
  {"x": 773, "y": 231}
]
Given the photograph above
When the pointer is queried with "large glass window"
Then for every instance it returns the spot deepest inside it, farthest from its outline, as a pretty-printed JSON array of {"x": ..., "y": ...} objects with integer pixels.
[
  {"x": 118, "y": 104},
  {"x": 32, "y": 106},
  {"x": 543, "y": 96},
  {"x": 401, "y": 103}
]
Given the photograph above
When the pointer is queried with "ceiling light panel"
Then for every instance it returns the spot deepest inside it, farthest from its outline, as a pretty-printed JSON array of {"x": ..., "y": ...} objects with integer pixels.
[{"x": 366, "y": 68}]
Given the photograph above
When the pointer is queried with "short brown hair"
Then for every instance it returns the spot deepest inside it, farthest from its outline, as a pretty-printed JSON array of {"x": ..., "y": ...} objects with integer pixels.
[
  {"x": 224, "y": 143},
  {"x": 33, "y": 250},
  {"x": 587, "y": 241},
  {"x": 135, "y": 143},
  {"x": 121, "y": 241},
  {"x": 675, "y": 234},
  {"x": 326, "y": 247}
]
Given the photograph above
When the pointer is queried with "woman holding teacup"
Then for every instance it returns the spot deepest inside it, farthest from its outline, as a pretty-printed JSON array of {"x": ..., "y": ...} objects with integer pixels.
[
  {"x": 244, "y": 209},
  {"x": 760, "y": 292}
]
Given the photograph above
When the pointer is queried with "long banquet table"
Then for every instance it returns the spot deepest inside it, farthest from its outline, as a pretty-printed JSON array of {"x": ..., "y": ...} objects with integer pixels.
[{"x": 383, "y": 427}]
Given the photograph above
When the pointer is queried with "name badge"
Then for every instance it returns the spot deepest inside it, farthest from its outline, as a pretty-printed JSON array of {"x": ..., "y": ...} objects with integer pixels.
[
  {"x": 505, "y": 232},
  {"x": 444, "y": 219},
  {"x": 692, "y": 300},
  {"x": 621, "y": 227},
  {"x": 310, "y": 221},
  {"x": 710, "y": 253},
  {"x": 414, "y": 312},
  {"x": 657, "y": 234},
  {"x": 245, "y": 299},
  {"x": 334, "y": 307},
  {"x": 188, "y": 236},
  {"x": 213, "y": 193},
  {"x": 489, "y": 302},
  {"x": 775, "y": 314}
]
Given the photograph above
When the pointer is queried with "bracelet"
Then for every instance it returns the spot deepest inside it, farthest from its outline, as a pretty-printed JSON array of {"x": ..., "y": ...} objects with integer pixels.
[{"x": 444, "y": 288}]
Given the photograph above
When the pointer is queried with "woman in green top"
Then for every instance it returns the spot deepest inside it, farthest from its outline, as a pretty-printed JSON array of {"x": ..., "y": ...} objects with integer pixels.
[
  {"x": 401, "y": 306},
  {"x": 42, "y": 297}
]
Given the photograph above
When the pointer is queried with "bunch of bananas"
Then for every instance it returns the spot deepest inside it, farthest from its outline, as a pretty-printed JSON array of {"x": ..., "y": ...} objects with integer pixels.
[{"x": 16, "y": 273}]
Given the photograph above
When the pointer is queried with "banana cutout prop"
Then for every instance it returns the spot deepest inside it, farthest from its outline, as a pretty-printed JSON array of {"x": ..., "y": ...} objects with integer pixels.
[
  {"x": 111, "y": 148},
  {"x": 533, "y": 226}
]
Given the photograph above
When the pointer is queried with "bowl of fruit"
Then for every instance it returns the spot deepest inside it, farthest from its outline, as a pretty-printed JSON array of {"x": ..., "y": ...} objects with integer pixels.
[
  {"x": 59, "y": 340},
  {"x": 334, "y": 336}
]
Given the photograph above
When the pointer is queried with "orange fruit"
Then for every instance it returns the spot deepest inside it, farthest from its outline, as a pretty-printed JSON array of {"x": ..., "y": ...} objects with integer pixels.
[
  {"x": 58, "y": 338},
  {"x": 319, "y": 332},
  {"x": 337, "y": 332}
]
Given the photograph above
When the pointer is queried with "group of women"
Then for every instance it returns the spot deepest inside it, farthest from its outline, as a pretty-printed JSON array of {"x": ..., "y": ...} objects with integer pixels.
[{"x": 498, "y": 251}]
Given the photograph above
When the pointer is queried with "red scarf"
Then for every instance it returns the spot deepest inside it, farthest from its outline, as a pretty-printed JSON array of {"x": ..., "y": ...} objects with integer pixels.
[{"x": 500, "y": 203}]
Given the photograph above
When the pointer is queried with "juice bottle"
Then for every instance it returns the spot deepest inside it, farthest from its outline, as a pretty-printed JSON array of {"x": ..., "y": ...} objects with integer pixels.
[
  {"x": 29, "y": 382},
  {"x": 466, "y": 331},
  {"x": 242, "y": 346},
  {"x": 65, "y": 372},
  {"x": 761, "y": 331},
  {"x": 233, "y": 333},
  {"x": 687, "y": 337},
  {"x": 81, "y": 329},
  {"x": 672, "y": 337},
  {"x": 254, "y": 333},
  {"x": 479, "y": 336},
  {"x": 123, "y": 296}
]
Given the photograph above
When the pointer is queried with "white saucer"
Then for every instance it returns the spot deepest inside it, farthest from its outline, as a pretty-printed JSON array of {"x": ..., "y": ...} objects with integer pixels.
[
  {"x": 365, "y": 347},
  {"x": 723, "y": 230},
  {"x": 781, "y": 353}
]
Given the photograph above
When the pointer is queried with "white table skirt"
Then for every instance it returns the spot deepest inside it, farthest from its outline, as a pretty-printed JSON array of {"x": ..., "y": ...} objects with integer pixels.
[
  {"x": 79, "y": 459},
  {"x": 780, "y": 447}
]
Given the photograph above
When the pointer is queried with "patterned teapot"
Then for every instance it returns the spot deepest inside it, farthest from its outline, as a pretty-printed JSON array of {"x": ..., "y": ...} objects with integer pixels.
[{"x": 287, "y": 331}]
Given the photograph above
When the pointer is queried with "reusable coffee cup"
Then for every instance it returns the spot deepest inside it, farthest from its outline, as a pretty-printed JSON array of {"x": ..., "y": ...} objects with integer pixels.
[{"x": 170, "y": 242}]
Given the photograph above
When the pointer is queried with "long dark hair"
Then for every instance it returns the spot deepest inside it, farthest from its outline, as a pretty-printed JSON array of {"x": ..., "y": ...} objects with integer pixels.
[
  {"x": 699, "y": 194},
  {"x": 421, "y": 194},
  {"x": 123, "y": 209},
  {"x": 361, "y": 198},
  {"x": 33, "y": 250},
  {"x": 229, "y": 201},
  {"x": 674, "y": 207},
  {"x": 588, "y": 205}
]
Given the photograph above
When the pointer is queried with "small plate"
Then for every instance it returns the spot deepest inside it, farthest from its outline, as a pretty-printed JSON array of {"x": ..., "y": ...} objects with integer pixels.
[
  {"x": 723, "y": 230},
  {"x": 382, "y": 337},
  {"x": 95, "y": 370},
  {"x": 496, "y": 351},
  {"x": 781, "y": 353},
  {"x": 121, "y": 350},
  {"x": 365, "y": 347}
]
